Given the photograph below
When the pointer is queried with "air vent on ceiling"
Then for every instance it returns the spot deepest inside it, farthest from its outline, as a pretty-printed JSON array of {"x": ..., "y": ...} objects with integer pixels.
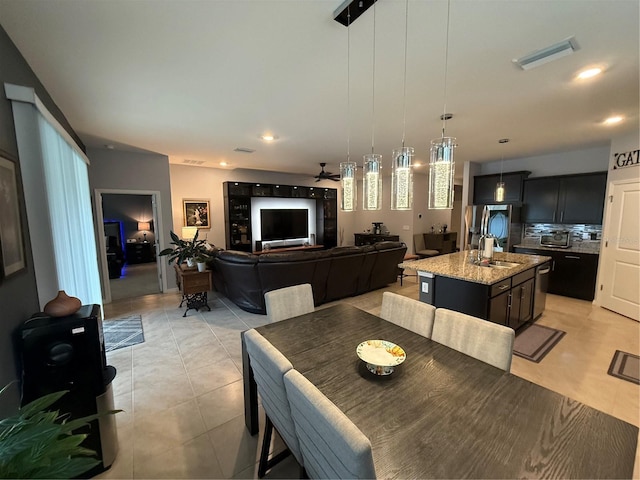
[
  {"x": 244, "y": 150},
  {"x": 193, "y": 162},
  {"x": 546, "y": 55}
]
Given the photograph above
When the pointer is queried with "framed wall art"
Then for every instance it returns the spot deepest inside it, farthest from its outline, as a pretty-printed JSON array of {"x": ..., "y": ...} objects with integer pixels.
[
  {"x": 196, "y": 213},
  {"x": 11, "y": 236}
]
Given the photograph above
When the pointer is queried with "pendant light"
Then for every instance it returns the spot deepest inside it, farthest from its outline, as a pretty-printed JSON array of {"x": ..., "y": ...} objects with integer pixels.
[
  {"x": 372, "y": 162},
  {"x": 401, "y": 174},
  {"x": 348, "y": 168},
  {"x": 441, "y": 163},
  {"x": 500, "y": 192}
]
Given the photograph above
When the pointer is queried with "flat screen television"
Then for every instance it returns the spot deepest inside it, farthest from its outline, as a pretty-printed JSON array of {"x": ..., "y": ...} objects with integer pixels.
[{"x": 284, "y": 223}]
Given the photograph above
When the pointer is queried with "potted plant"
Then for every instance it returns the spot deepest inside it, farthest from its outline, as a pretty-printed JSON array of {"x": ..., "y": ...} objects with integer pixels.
[
  {"x": 39, "y": 443},
  {"x": 186, "y": 250}
]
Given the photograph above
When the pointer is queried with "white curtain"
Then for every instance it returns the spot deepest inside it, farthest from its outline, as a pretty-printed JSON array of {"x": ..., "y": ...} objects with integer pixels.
[{"x": 67, "y": 191}]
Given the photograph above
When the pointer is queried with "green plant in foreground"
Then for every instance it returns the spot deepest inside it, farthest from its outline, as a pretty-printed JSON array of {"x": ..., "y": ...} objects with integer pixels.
[{"x": 38, "y": 443}]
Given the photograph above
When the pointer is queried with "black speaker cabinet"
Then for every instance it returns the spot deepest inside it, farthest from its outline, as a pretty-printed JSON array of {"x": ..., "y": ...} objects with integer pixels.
[{"x": 67, "y": 353}]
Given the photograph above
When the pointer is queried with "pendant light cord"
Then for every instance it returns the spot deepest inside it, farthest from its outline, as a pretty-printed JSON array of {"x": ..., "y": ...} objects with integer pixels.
[
  {"x": 404, "y": 94},
  {"x": 446, "y": 68},
  {"x": 373, "y": 83},
  {"x": 348, "y": 82}
]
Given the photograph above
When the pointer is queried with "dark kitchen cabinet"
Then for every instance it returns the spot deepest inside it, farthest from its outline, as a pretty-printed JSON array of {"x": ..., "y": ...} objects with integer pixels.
[
  {"x": 508, "y": 302},
  {"x": 566, "y": 199},
  {"x": 572, "y": 274},
  {"x": 484, "y": 187}
]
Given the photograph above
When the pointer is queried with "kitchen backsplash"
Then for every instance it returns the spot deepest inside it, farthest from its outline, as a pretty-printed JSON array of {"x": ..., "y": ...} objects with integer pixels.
[{"x": 584, "y": 236}]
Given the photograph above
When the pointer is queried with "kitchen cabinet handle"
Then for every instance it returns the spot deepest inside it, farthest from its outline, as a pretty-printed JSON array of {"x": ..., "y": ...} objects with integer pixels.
[
  {"x": 503, "y": 287},
  {"x": 573, "y": 257},
  {"x": 561, "y": 216},
  {"x": 545, "y": 271},
  {"x": 554, "y": 217}
]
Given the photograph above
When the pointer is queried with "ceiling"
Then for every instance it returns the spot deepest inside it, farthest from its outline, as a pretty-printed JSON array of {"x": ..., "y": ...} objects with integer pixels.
[{"x": 194, "y": 80}]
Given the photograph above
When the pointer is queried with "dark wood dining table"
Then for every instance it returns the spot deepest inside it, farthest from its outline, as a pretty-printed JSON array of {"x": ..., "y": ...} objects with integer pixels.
[{"x": 443, "y": 414}]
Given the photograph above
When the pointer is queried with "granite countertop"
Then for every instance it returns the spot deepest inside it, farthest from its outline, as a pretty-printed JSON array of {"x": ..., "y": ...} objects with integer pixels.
[
  {"x": 456, "y": 265},
  {"x": 584, "y": 247}
]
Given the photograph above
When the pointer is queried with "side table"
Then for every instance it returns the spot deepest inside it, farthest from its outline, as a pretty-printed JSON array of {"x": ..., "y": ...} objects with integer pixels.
[{"x": 194, "y": 286}]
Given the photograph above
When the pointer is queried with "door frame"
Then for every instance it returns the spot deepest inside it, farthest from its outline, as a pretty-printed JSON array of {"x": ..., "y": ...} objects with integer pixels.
[{"x": 102, "y": 247}]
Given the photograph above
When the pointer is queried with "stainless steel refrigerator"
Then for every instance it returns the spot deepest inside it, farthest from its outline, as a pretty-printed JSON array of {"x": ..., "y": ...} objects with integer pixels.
[{"x": 501, "y": 221}]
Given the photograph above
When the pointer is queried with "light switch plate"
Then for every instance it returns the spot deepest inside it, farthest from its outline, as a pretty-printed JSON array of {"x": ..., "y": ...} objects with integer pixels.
[{"x": 425, "y": 287}]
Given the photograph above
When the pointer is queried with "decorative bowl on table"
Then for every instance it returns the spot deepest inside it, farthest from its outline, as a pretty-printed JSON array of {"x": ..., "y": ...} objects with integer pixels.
[{"x": 381, "y": 356}]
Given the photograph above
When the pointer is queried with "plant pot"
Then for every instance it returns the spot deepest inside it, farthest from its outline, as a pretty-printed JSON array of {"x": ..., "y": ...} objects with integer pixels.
[
  {"x": 191, "y": 262},
  {"x": 202, "y": 266}
]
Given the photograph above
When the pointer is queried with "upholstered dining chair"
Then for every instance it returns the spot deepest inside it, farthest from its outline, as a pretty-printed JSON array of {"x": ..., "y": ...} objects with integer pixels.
[
  {"x": 289, "y": 302},
  {"x": 269, "y": 367},
  {"x": 478, "y": 338},
  {"x": 408, "y": 313},
  {"x": 331, "y": 444},
  {"x": 420, "y": 249}
]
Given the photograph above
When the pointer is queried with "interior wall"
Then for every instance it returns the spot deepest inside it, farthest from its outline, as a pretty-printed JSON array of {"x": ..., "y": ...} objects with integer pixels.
[
  {"x": 18, "y": 293},
  {"x": 135, "y": 171}
]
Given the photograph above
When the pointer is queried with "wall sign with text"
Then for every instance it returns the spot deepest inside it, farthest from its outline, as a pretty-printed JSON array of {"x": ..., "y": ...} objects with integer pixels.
[{"x": 626, "y": 159}]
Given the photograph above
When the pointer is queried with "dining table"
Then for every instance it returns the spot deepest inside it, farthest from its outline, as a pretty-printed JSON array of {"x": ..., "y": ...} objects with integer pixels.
[{"x": 441, "y": 413}]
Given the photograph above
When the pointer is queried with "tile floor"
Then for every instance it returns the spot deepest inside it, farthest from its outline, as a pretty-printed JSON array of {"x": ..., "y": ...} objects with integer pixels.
[{"x": 181, "y": 390}]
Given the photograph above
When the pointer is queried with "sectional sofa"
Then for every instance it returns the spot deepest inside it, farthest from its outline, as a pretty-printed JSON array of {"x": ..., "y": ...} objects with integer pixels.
[{"x": 333, "y": 274}]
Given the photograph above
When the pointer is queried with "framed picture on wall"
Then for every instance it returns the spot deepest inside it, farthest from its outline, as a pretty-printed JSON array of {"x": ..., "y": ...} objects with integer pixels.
[
  {"x": 11, "y": 240},
  {"x": 196, "y": 213}
]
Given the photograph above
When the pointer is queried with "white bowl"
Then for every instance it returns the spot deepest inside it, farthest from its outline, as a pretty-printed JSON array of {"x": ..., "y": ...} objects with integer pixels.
[{"x": 381, "y": 356}]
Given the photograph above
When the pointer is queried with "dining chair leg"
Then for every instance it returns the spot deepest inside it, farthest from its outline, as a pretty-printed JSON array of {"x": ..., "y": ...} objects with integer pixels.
[{"x": 267, "y": 463}]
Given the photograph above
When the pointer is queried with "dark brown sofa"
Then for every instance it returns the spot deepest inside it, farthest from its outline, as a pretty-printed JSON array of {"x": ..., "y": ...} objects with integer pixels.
[{"x": 333, "y": 274}]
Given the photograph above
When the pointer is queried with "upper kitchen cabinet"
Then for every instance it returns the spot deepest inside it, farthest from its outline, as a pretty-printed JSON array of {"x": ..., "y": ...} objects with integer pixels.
[
  {"x": 565, "y": 199},
  {"x": 484, "y": 187}
]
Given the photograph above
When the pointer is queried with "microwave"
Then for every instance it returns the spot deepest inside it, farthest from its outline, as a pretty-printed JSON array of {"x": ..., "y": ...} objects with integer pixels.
[{"x": 557, "y": 239}]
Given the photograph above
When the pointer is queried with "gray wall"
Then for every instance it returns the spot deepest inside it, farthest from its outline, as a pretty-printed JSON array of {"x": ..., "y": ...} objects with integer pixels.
[
  {"x": 133, "y": 171},
  {"x": 18, "y": 293}
]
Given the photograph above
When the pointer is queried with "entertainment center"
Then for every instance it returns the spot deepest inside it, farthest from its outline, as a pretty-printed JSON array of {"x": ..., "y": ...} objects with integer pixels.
[{"x": 279, "y": 215}]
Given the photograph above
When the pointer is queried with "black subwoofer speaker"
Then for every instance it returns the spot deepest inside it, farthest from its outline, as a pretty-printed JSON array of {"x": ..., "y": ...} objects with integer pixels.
[{"x": 68, "y": 353}]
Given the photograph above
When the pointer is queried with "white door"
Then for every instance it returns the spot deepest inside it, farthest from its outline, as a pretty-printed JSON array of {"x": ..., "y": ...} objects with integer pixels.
[{"x": 621, "y": 252}]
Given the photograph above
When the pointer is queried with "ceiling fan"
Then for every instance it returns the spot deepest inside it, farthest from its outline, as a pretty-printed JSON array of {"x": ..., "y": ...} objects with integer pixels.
[{"x": 326, "y": 175}]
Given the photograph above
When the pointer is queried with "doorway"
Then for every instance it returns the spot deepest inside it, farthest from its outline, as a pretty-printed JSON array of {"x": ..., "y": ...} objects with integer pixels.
[{"x": 129, "y": 222}]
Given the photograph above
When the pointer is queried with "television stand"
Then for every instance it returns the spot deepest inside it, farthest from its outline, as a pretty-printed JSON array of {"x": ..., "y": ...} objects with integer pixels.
[{"x": 289, "y": 249}]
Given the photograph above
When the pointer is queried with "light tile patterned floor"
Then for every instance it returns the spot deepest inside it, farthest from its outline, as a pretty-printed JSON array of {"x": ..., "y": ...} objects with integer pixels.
[{"x": 182, "y": 389}]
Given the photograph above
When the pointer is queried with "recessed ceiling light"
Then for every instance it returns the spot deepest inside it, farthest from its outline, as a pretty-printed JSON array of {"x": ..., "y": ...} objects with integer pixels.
[
  {"x": 589, "y": 73},
  {"x": 613, "y": 120},
  {"x": 417, "y": 165},
  {"x": 267, "y": 137},
  {"x": 223, "y": 164}
]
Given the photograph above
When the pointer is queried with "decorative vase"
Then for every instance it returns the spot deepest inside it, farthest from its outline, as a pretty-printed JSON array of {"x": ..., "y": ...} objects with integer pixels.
[
  {"x": 62, "y": 305},
  {"x": 191, "y": 262}
]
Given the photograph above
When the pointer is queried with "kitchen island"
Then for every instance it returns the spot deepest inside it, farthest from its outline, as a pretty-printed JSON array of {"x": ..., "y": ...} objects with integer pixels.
[{"x": 502, "y": 292}]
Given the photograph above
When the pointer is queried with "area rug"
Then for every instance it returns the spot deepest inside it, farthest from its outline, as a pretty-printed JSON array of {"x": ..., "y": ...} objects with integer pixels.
[
  {"x": 535, "y": 341},
  {"x": 625, "y": 366},
  {"x": 122, "y": 332}
]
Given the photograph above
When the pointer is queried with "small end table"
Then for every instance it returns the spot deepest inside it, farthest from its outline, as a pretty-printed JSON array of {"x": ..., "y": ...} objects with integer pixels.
[{"x": 194, "y": 286}]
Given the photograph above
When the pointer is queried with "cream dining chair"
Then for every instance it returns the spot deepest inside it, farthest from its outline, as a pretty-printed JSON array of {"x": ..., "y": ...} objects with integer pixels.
[
  {"x": 481, "y": 339},
  {"x": 331, "y": 444},
  {"x": 269, "y": 367},
  {"x": 408, "y": 313},
  {"x": 289, "y": 302}
]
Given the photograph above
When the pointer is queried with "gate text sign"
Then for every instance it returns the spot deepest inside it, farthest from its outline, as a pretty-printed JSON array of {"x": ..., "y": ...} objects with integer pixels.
[{"x": 626, "y": 159}]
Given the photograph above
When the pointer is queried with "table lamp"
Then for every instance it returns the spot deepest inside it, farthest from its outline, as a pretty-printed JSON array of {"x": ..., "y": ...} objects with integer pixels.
[
  {"x": 144, "y": 227},
  {"x": 189, "y": 232}
]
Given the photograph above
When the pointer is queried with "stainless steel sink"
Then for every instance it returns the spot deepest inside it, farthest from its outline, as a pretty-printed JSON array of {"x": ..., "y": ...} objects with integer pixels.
[{"x": 501, "y": 264}]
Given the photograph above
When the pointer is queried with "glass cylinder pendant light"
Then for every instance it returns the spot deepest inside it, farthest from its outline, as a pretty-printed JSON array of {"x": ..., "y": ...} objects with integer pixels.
[
  {"x": 348, "y": 168},
  {"x": 500, "y": 191},
  {"x": 348, "y": 186},
  {"x": 441, "y": 169},
  {"x": 402, "y": 179},
  {"x": 401, "y": 168},
  {"x": 372, "y": 162},
  {"x": 372, "y": 182}
]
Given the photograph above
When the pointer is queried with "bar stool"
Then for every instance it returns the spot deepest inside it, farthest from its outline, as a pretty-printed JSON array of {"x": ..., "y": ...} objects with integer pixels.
[{"x": 407, "y": 257}]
